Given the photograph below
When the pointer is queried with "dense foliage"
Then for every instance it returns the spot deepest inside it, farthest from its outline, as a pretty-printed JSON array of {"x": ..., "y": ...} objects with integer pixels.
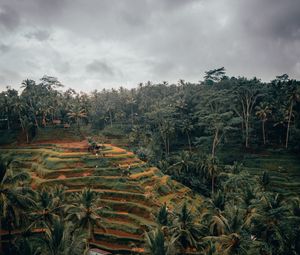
[
  {"x": 181, "y": 128},
  {"x": 161, "y": 118}
]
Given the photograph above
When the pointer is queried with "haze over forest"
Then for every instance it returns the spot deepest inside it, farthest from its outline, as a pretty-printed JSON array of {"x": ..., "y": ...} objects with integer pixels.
[{"x": 103, "y": 44}]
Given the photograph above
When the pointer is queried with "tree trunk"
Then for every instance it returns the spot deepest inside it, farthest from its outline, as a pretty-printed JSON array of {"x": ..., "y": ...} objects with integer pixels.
[
  {"x": 27, "y": 136},
  {"x": 212, "y": 184},
  {"x": 44, "y": 119},
  {"x": 263, "y": 131},
  {"x": 247, "y": 134},
  {"x": 110, "y": 117},
  {"x": 20, "y": 119},
  {"x": 165, "y": 143},
  {"x": 8, "y": 125},
  {"x": 9, "y": 237},
  {"x": 36, "y": 122},
  {"x": 131, "y": 115},
  {"x": 189, "y": 141},
  {"x": 0, "y": 235},
  {"x": 214, "y": 145},
  {"x": 288, "y": 126}
]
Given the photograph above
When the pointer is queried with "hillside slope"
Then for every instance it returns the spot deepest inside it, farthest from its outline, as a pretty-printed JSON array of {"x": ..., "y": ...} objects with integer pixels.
[{"x": 133, "y": 199}]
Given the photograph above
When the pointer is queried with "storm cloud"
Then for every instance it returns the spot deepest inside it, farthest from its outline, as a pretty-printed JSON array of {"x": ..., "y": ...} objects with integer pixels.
[{"x": 97, "y": 44}]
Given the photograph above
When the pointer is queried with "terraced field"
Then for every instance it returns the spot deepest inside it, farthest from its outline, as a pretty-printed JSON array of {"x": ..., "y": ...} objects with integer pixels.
[
  {"x": 284, "y": 170},
  {"x": 132, "y": 199}
]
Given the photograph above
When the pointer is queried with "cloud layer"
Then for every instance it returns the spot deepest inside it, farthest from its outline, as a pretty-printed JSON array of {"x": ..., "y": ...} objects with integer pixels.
[{"x": 97, "y": 44}]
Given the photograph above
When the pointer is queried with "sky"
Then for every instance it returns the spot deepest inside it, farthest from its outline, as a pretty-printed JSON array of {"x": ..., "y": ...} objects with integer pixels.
[{"x": 96, "y": 44}]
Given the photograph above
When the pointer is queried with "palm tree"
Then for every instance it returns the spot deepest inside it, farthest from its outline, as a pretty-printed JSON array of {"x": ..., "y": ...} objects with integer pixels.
[
  {"x": 77, "y": 114},
  {"x": 262, "y": 113},
  {"x": 163, "y": 216},
  {"x": 216, "y": 202},
  {"x": 63, "y": 239},
  {"x": 28, "y": 246},
  {"x": 185, "y": 228},
  {"x": 49, "y": 205},
  {"x": 218, "y": 224},
  {"x": 186, "y": 128},
  {"x": 293, "y": 97},
  {"x": 30, "y": 95},
  {"x": 234, "y": 239},
  {"x": 211, "y": 170},
  {"x": 209, "y": 248},
  {"x": 183, "y": 162},
  {"x": 157, "y": 244},
  {"x": 271, "y": 222},
  {"x": 15, "y": 198},
  {"x": 85, "y": 211}
]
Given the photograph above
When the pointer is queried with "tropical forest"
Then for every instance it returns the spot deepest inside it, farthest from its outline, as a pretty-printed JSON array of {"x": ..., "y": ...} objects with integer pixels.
[{"x": 163, "y": 168}]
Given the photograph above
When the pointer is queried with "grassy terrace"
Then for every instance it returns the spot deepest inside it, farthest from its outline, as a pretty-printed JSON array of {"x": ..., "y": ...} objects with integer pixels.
[
  {"x": 132, "y": 201},
  {"x": 283, "y": 168}
]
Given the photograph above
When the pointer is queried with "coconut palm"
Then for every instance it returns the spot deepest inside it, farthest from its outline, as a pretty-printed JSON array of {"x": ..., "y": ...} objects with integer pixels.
[
  {"x": 85, "y": 211},
  {"x": 210, "y": 169},
  {"x": 186, "y": 127},
  {"x": 158, "y": 244},
  {"x": 28, "y": 246},
  {"x": 235, "y": 239},
  {"x": 182, "y": 164},
  {"x": 293, "y": 98},
  {"x": 62, "y": 239},
  {"x": 15, "y": 198},
  {"x": 77, "y": 114},
  {"x": 271, "y": 222},
  {"x": 49, "y": 205},
  {"x": 163, "y": 216},
  {"x": 186, "y": 229},
  {"x": 262, "y": 112}
]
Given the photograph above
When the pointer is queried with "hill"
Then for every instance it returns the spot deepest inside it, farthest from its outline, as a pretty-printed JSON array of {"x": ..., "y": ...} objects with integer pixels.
[{"x": 132, "y": 190}]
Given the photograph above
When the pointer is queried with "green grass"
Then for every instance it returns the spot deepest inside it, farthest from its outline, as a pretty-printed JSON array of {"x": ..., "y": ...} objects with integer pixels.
[{"x": 283, "y": 168}]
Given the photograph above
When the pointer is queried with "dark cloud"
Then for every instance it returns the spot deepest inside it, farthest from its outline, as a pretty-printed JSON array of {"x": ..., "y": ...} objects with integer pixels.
[
  {"x": 40, "y": 35},
  {"x": 9, "y": 17},
  {"x": 113, "y": 42},
  {"x": 101, "y": 68},
  {"x": 271, "y": 18},
  {"x": 4, "y": 48}
]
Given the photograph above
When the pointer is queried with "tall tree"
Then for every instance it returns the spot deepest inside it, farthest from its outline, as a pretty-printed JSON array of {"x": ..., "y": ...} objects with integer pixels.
[
  {"x": 247, "y": 93},
  {"x": 85, "y": 211},
  {"x": 262, "y": 112}
]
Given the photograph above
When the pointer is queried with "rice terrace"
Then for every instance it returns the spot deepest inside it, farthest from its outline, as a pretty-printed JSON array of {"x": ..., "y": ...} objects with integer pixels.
[
  {"x": 78, "y": 178},
  {"x": 132, "y": 200},
  {"x": 149, "y": 127}
]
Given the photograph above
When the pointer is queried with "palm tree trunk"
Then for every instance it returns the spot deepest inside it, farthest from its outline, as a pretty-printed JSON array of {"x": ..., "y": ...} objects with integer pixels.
[
  {"x": 20, "y": 119},
  {"x": 110, "y": 117},
  {"x": 8, "y": 125},
  {"x": 165, "y": 144},
  {"x": 9, "y": 237},
  {"x": 213, "y": 151},
  {"x": 131, "y": 115},
  {"x": 189, "y": 141},
  {"x": 36, "y": 122},
  {"x": 0, "y": 235},
  {"x": 212, "y": 184},
  {"x": 27, "y": 136},
  {"x": 44, "y": 119},
  {"x": 288, "y": 126},
  {"x": 263, "y": 132},
  {"x": 247, "y": 134}
]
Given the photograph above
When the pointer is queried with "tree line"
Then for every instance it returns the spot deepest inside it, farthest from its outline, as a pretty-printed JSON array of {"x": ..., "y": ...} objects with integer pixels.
[{"x": 162, "y": 117}]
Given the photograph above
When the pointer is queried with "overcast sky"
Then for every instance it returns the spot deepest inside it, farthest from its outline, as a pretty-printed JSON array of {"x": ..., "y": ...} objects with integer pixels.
[{"x": 95, "y": 44}]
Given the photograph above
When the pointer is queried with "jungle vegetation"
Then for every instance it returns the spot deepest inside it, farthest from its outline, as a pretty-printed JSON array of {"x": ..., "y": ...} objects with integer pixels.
[{"x": 183, "y": 129}]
